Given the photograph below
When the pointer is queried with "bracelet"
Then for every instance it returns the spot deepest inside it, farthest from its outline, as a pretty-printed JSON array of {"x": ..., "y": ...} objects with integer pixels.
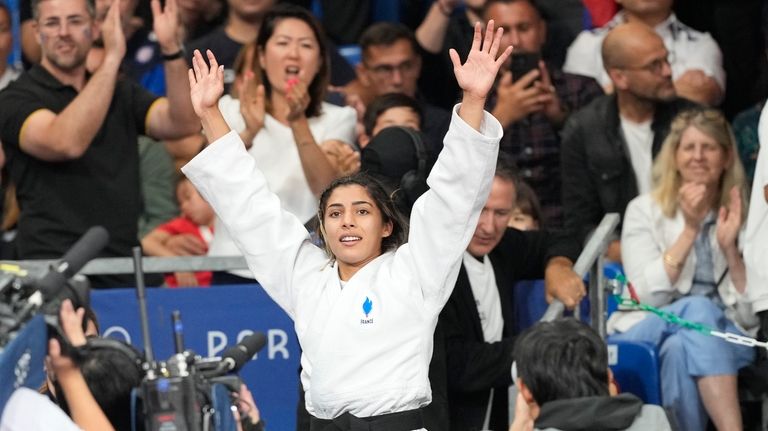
[
  {"x": 176, "y": 55},
  {"x": 669, "y": 260}
]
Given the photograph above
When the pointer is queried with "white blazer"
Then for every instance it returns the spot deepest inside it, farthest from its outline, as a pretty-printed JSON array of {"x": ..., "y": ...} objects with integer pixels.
[{"x": 646, "y": 234}]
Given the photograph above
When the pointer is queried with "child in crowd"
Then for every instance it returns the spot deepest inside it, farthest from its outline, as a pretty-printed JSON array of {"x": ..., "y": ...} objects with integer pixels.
[
  {"x": 527, "y": 212},
  {"x": 392, "y": 109},
  {"x": 196, "y": 222}
]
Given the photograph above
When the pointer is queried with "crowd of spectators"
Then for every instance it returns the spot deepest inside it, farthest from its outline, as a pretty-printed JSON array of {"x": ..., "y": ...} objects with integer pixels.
[{"x": 622, "y": 107}]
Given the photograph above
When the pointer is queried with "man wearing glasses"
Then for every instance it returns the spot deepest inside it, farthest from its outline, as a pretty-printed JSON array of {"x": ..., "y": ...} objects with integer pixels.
[
  {"x": 609, "y": 146},
  {"x": 391, "y": 63},
  {"x": 71, "y": 136},
  {"x": 697, "y": 66}
]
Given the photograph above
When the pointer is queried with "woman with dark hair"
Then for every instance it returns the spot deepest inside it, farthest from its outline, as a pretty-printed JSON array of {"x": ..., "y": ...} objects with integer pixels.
[
  {"x": 365, "y": 320},
  {"x": 681, "y": 251},
  {"x": 299, "y": 142}
]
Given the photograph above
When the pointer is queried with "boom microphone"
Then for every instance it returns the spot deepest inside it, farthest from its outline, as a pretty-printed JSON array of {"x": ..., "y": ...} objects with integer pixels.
[
  {"x": 234, "y": 358},
  {"x": 85, "y": 249}
]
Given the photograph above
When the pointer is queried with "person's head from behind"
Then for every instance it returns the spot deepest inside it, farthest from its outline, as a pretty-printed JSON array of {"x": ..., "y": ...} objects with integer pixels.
[
  {"x": 397, "y": 157},
  {"x": 558, "y": 360},
  {"x": 700, "y": 148},
  {"x": 392, "y": 109},
  {"x": 291, "y": 46},
  {"x": 358, "y": 222},
  {"x": 497, "y": 211},
  {"x": 524, "y": 26},
  {"x": 638, "y": 63},
  {"x": 111, "y": 372},
  {"x": 391, "y": 63},
  {"x": 192, "y": 205},
  {"x": 6, "y": 38},
  {"x": 65, "y": 30},
  {"x": 527, "y": 212}
]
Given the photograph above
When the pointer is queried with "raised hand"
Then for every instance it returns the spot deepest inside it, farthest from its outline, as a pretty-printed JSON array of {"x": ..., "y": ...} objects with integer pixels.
[
  {"x": 113, "y": 36},
  {"x": 206, "y": 84},
  {"x": 477, "y": 75},
  {"x": 729, "y": 222},
  {"x": 165, "y": 23}
]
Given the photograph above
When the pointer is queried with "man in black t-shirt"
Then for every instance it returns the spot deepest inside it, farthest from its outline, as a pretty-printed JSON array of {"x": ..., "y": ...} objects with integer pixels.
[{"x": 71, "y": 137}]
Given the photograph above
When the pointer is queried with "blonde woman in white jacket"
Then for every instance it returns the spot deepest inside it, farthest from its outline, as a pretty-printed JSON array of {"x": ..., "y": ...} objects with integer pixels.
[
  {"x": 365, "y": 319},
  {"x": 680, "y": 250}
]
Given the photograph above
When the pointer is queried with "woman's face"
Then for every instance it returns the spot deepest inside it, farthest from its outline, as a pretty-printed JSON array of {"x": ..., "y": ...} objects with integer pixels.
[
  {"x": 354, "y": 227},
  {"x": 292, "y": 52},
  {"x": 699, "y": 158},
  {"x": 522, "y": 221}
]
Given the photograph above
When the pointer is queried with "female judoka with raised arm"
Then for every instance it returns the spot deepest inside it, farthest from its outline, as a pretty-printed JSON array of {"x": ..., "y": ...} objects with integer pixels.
[{"x": 365, "y": 313}]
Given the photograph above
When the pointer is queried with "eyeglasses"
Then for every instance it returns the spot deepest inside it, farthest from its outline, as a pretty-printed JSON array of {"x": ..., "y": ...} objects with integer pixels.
[
  {"x": 656, "y": 66},
  {"x": 387, "y": 70},
  {"x": 53, "y": 26}
]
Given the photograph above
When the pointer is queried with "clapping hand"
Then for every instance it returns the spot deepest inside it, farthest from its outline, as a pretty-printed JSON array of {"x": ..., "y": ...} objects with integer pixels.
[
  {"x": 165, "y": 23},
  {"x": 252, "y": 107},
  {"x": 693, "y": 204},
  {"x": 729, "y": 222},
  {"x": 297, "y": 96},
  {"x": 113, "y": 36}
]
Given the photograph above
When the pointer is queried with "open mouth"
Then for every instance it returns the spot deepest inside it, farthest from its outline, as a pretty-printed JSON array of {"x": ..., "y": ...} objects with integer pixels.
[
  {"x": 349, "y": 239},
  {"x": 292, "y": 72}
]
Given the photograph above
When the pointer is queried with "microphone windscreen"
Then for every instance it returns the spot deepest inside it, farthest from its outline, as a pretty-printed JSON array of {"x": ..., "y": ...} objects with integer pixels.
[
  {"x": 86, "y": 248},
  {"x": 243, "y": 351}
]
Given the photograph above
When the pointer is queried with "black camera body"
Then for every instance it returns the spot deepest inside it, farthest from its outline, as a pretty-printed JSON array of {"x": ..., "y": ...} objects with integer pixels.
[{"x": 171, "y": 403}]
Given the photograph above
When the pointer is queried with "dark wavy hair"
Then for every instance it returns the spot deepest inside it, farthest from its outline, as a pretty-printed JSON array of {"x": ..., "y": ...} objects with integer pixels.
[
  {"x": 383, "y": 201},
  {"x": 385, "y": 102},
  {"x": 319, "y": 84},
  {"x": 562, "y": 359}
]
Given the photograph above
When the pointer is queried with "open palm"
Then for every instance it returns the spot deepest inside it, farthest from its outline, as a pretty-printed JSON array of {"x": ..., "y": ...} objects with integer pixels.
[
  {"x": 206, "y": 84},
  {"x": 165, "y": 22},
  {"x": 477, "y": 75}
]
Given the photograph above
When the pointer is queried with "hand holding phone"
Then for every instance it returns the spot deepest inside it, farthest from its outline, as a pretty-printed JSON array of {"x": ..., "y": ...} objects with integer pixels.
[{"x": 523, "y": 62}]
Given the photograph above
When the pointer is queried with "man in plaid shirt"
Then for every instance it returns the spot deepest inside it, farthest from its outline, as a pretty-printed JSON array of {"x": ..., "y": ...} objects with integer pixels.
[{"x": 533, "y": 107}]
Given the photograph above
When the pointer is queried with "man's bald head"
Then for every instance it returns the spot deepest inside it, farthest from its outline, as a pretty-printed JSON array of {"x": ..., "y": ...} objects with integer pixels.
[
  {"x": 624, "y": 41},
  {"x": 638, "y": 63}
]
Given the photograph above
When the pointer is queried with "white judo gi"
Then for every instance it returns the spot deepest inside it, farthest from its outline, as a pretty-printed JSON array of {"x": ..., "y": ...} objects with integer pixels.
[{"x": 366, "y": 347}]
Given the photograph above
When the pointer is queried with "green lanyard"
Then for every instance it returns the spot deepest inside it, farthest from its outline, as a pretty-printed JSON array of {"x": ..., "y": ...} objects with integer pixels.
[{"x": 633, "y": 302}]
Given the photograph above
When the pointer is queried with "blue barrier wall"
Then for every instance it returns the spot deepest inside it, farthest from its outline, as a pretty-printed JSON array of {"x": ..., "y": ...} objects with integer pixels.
[{"x": 214, "y": 319}]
